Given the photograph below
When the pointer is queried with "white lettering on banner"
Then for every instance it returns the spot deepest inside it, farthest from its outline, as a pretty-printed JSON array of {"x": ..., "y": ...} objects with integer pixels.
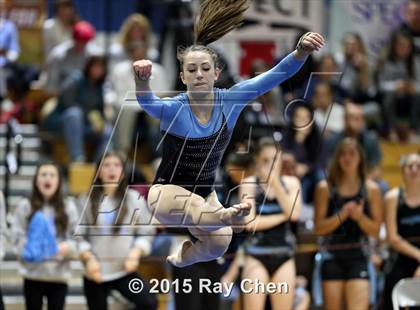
[
  {"x": 267, "y": 19},
  {"x": 277, "y": 21},
  {"x": 374, "y": 20}
]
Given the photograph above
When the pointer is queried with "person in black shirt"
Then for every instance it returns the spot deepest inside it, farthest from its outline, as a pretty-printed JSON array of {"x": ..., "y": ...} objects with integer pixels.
[
  {"x": 347, "y": 211},
  {"x": 402, "y": 218}
]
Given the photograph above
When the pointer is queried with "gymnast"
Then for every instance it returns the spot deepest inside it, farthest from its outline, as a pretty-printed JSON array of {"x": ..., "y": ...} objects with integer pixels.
[{"x": 197, "y": 126}]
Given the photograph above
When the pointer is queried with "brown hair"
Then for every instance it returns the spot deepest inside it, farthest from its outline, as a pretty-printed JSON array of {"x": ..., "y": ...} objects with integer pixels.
[
  {"x": 98, "y": 193},
  {"x": 57, "y": 201},
  {"x": 335, "y": 173},
  {"x": 266, "y": 142},
  {"x": 131, "y": 21},
  {"x": 215, "y": 19}
]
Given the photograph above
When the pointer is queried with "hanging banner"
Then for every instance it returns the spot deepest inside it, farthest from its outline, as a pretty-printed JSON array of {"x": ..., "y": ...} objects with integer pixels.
[
  {"x": 374, "y": 20},
  {"x": 269, "y": 22}
]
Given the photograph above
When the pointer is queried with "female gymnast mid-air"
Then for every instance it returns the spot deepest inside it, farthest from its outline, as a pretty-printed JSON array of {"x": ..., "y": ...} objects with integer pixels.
[{"x": 197, "y": 126}]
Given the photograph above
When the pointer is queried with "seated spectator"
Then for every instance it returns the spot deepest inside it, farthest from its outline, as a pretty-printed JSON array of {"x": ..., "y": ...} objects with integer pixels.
[
  {"x": 326, "y": 72},
  {"x": 122, "y": 98},
  {"x": 399, "y": 83},
  {"x": 9, "y": 46},
  {"x": 329, "y": 72},
  {"x": 402, "y": 219},
  {"x": 355, "y": 80},
  {"x": 355, "y": 127},
  {"x": 3, "y": 237},
  {"x": 43, "y": 229},
  {"x": 135, "y": 28},
  {"x": 16, "y": 104},
  {"x": 328, "y": 114},
  {"x": 266, "y": 109},
  {"x": 411, "y": 23},
  {"x": 117, "y": 233},
  {"x": 80, "y": 111},
  {"x": 58, "y": 29},
  {"x": 69, "y": 57},
  {"x": 347, "y": 210},
  {"x": 302, "y": 138}
]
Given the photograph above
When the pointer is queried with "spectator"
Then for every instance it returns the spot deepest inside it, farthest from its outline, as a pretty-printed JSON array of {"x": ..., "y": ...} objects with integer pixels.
[
  {"x": 266, "y": 109},
  {"x": 80, "y": 111},
  {"x": 58, "y": 29},
  {"x": 326, "y": 71},
  {"x": 355, "y": 127},
  {"x": 399, "y": 83},
  {"x": 269, "y": 250},
  {"x": 3, "y": 237},
  {"x": 347, "y": 211},
  {"x": 402, "y": 218},
  {"x": 69, "y": 57},
  {"x": 328, "y": 115},
  {"x": 43, "y": 228},
  {"x": 9, "y": 46},
  {"x": 411, "y": 22},
  {"x": 114, "y": 244},
  {"x": 135, "y": 28},
  {"x": 302, "y": 138},
  {"x": 123, "y": 100},
  {"x": 355, "y": 81}
]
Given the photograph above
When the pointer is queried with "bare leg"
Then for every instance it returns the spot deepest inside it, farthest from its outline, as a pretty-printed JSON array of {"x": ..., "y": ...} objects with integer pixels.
[
  {"x": 253, "y": 269},
  {"x": 174, "y": 205},
  {"x": 359, "y": 288},
  {"x": 286, "y": 273},
  {"x": 333, "y": 291}
]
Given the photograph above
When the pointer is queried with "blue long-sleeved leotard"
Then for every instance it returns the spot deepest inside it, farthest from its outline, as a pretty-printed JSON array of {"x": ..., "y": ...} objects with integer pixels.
[{"x": 193, "y": 151}]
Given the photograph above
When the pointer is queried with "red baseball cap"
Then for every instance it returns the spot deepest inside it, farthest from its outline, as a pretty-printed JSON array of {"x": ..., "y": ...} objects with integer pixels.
[{"x": 83, "y": 31}]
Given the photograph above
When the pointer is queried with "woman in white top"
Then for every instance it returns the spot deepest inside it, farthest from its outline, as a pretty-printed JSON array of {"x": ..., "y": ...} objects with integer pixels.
[{"x": 117, "y": 230}]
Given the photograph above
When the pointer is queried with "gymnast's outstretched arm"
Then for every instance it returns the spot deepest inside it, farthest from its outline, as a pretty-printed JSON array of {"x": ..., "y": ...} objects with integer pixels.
[{"x": 243, "y": 92}]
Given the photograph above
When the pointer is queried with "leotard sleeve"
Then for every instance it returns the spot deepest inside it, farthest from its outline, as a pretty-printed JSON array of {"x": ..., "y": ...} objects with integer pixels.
[{"x": 237, "y": 97}]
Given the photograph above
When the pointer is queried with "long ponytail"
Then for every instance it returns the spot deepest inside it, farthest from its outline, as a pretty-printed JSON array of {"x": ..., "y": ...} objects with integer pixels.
[{"x": 216, "y": 18}]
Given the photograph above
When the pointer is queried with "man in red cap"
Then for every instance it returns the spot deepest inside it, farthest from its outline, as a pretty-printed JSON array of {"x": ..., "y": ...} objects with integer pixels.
[{"x": 68, "y": 58}]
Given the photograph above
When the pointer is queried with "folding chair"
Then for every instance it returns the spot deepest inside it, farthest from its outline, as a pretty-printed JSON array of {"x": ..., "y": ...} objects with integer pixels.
[{"x": 406, "y": 293}]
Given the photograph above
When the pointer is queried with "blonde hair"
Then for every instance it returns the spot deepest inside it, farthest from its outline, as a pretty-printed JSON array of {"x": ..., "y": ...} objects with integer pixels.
[{"x": 131, "y": 21}]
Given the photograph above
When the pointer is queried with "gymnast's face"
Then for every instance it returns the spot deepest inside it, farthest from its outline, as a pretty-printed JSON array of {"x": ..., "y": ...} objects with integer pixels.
[
  {"x": 111, "y": 170},
  {"x": 47, "y": 181},
  {"x": 199, "y": 71}
]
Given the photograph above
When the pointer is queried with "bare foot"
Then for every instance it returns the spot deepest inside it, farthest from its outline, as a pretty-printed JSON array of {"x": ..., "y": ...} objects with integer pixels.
[
  {"x": 236, "y": 214},
  {"x": 176, "y": 258}
]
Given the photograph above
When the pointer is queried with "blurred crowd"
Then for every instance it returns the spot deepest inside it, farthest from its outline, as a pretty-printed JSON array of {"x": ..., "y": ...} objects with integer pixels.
[{"x": 327, "y": 127}]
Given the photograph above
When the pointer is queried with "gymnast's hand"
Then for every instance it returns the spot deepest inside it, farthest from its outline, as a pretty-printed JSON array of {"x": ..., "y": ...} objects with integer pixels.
[
  {"x": 308, "y": 43},
  {"x": 142, "y": 70}
]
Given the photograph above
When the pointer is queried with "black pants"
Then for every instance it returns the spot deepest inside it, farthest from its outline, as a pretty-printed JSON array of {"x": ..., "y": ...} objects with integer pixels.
[
  {"x": 34, "y": 292},
  {"x": 1, "y": 301},
  {"x": 196, "y": 300},
  {"x": 96, "y": 294}
]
